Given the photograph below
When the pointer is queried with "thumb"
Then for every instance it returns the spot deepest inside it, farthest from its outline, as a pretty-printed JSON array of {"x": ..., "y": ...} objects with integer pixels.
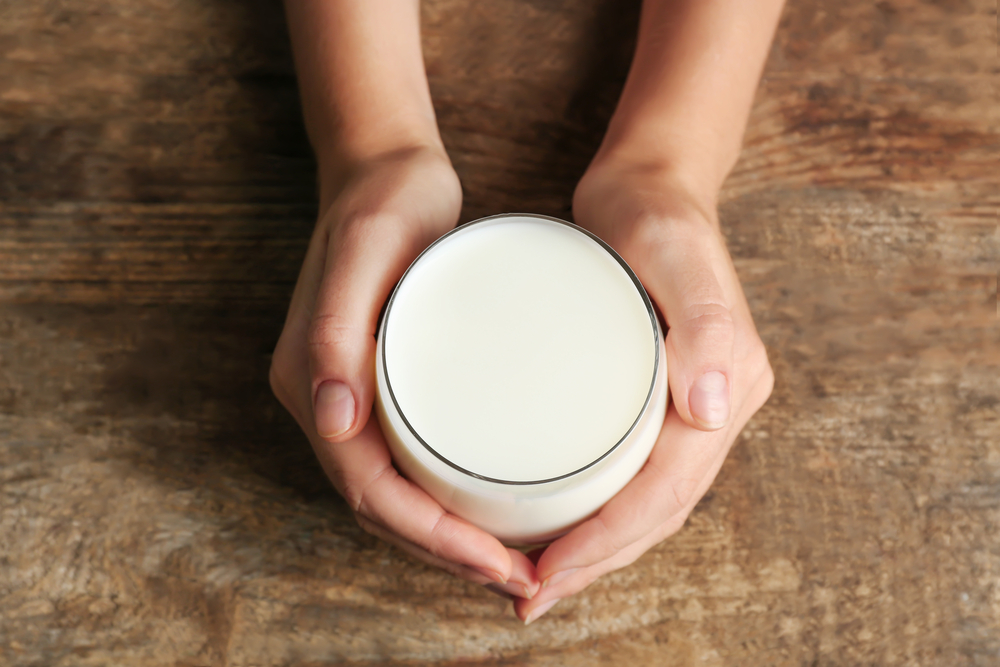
[
  {"x": 364, "y": 256},
  {"x": 699, "y": 341}
]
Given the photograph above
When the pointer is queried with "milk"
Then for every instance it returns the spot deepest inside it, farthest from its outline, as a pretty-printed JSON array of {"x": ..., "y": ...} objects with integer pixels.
[{"x": 521, "y": 377}]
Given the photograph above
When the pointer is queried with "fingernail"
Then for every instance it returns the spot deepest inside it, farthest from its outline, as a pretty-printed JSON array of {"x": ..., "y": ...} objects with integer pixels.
[
  {"x": 709, "y": 400},
  {"x": 533, "y": 616},
  {"x": 491, "y": 574},
  {"x": 558, "y": 576},
  {"x": 514, "y": 588},
  {"x": 334, "y": 409}
]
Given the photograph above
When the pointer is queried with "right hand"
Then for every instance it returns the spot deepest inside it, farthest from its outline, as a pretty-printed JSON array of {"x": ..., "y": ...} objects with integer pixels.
[{"x": 388, "y": 209}]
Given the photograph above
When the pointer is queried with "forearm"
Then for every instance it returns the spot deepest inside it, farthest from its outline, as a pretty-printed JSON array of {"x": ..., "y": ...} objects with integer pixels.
[
  {"x": 361, "y": 76},
  {"x": 685, "y": 104}
]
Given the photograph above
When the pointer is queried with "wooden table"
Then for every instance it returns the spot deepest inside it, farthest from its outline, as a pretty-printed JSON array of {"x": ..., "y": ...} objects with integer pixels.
[{"x": 157, "y": 507}]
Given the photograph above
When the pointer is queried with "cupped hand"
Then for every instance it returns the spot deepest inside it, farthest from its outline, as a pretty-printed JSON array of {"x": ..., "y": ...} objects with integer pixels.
[
  {"x": 381, "y": 215},
  {"x": 718, "y": 371}
]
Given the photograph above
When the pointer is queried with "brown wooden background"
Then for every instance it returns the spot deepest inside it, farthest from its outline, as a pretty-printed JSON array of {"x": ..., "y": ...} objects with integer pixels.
[{"x": 156, "y": 194}]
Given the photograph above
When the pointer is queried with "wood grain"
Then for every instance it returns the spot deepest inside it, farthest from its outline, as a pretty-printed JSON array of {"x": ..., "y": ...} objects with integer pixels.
[{"x": 157, "y": 507}]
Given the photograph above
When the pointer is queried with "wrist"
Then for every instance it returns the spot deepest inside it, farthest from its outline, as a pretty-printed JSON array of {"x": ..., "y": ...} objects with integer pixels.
[
  {"x": 690, "y": 87},
  {"x": 660, "y": 175},
  {"x": 360, "y": 141},
  {"x": 412, "y": 153},
  {"x": 362, "y": 80},
  {"x": 362, "y": 146}
]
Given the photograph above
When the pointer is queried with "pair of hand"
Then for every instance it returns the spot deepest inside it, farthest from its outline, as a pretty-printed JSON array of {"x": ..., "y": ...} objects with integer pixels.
[{"x": 387, "y": 211}]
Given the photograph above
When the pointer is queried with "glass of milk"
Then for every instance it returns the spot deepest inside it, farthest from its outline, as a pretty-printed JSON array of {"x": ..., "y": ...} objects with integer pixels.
[{"x": 521, "y": 376}]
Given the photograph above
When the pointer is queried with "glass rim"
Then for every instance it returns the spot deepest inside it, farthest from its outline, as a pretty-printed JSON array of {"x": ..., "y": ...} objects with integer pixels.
[{"x": 654, "y": 322}]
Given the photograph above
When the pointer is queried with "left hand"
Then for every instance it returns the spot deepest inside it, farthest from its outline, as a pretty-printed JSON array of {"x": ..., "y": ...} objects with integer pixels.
[
  {"x": 717, "y": 368},
  {"x": 386, "y": 210}
]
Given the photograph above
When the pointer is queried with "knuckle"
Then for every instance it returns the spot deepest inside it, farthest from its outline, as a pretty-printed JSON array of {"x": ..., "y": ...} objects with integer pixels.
[
  {"x": 610, "y": 540},
  {"x": 330, "y": 330},
  {"x": 676, "y": 492},
  {"x": 682, "y": 493},
  {"x": 708, "y": 319},
  {"x": 442, "y": 533},
  {"x": 358, "y": 491},
  {"x": 354, "y": 495},
  {"x": 709, "y": 313}
]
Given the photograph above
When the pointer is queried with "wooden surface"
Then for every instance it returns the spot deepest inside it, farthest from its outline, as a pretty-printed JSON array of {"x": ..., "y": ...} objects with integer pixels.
[{"x": 157, "y": 507}]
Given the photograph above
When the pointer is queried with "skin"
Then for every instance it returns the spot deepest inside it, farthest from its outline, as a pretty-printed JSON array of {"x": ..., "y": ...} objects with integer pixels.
[{"x": 387, "y": 190}]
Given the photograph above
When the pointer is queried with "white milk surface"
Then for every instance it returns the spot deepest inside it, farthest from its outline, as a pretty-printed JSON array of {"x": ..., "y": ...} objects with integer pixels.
[{"x": 519, "y": 349}]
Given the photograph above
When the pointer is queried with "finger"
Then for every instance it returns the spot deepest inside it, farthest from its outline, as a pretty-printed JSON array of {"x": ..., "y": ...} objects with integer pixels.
[
  {"x": 656, "y": 503},
  {"x": 569, "y": 582},
  {"x": 461, "y": 571},
  {"x": 522, "y": 580},
  {"x": 521, "y": 583},
  {"x": 687, "y": 276},
  {"x": 524, "y": 574},
  {"x": 381, "y": 226},
  {"x": 683, "y": 461},
  {"x": 530, "y": 610},
  {"x": 513, "y": 587},
  {"x": 362, "y": 471},
  {"x": 295, "y": 395},
  {"x": 363, "y": 260}
]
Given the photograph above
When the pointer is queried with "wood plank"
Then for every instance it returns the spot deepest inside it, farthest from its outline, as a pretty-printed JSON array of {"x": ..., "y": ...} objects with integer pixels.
[{"x": 157, "y": 506}]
